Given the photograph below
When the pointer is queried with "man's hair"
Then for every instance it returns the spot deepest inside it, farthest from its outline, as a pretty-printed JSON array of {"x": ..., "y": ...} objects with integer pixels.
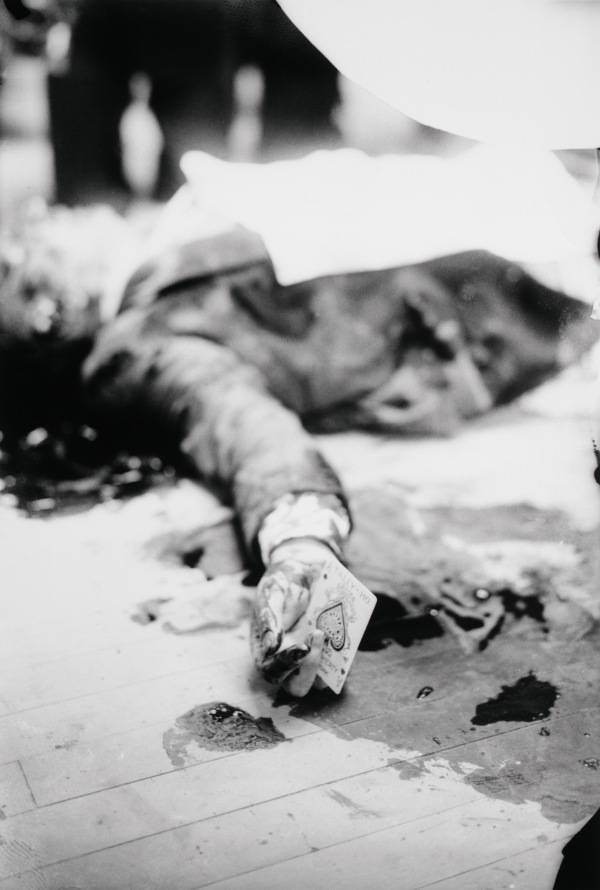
[{"x": 54, "y": 268}]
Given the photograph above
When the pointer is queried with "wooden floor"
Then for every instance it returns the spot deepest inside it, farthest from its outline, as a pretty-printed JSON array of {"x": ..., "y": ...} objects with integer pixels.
[{"x": 379, "y": 788}]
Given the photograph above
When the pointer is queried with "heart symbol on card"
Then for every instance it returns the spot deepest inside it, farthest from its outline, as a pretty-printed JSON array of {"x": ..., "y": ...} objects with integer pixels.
[{"x": 331, "y": 622}]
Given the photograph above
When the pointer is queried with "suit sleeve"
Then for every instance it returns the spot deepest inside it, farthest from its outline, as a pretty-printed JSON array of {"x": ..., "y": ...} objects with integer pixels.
[{"x": 217, "y": 408}]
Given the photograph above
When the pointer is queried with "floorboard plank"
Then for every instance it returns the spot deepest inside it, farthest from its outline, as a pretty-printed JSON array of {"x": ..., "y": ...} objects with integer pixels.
[
  {"x": 78, "y": 768},
  {"x": 375, "y": 788},
  {"x": 534, "y": 869},
  {"x": 407, "y": 856},
  {"x": 228, "y": 784},
  {"x": 67, "y": 678},
  {"x": 126, "y": 707},
  {"x": 15, "y": 792},
  {"x": 256, "y": 836},
  {"x": 114, "y": 816}
]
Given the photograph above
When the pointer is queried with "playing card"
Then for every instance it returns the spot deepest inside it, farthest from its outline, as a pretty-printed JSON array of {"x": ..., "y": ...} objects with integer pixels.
[{"x": 340, "y": 606}]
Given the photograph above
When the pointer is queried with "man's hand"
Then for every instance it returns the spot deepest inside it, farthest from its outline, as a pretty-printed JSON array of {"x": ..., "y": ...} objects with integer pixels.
[{"x": 282, "y": 597}]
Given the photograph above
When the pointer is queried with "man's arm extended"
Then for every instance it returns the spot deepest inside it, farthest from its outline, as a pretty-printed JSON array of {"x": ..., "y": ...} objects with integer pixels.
[
  {"x": 289, "y": 501},
  {"x": 215, "y": 405}
]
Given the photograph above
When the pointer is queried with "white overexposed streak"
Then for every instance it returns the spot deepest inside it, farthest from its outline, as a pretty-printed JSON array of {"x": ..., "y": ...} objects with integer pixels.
[
  {"x": 505, "y": 71},
  {"x": 343, "y": 211}
]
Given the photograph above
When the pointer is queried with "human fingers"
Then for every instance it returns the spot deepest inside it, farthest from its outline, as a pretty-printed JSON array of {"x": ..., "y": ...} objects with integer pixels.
[
  {"x": 300, "y": 681},
  {"x": 267, "y": 627},
  {"x": 283, "y": 594}
]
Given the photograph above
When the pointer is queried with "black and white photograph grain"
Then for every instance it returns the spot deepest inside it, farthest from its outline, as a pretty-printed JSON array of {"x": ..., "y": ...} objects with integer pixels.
[{"x": 300, "y": 444}]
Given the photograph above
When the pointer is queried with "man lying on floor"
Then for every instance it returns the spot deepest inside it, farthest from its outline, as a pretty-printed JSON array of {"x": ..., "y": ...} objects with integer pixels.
[{"x": 211, "y": 351}]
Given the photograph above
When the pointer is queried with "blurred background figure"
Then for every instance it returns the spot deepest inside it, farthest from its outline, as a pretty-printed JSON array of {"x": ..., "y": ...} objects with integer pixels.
[
  {"x": 300, "y": 84},
  {"x": 172, "y": 59},
  {"x": 100, "y": 98}
]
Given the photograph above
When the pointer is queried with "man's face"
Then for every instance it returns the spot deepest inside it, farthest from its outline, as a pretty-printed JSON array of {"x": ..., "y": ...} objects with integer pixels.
[{"x": 515, "y": 344}]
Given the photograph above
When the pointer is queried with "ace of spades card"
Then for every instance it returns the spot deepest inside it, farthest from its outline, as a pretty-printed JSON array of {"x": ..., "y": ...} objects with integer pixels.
[{"x": 340, "y": 606}]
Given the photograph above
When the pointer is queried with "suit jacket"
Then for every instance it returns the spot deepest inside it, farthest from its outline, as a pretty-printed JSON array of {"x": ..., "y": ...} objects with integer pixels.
[{"x": 211, "y": 352}]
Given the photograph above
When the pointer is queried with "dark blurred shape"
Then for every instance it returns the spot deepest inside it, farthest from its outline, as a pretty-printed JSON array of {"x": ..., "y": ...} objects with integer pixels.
[
  {"x": 17, "y": 9},
  {"x": 580, "y": 867},
  {"x": 71, "y": 467},
  {"x": 300, "y": 84},
  {"x": 53, "y": 268},
  {"x": 185, "y": 48},
  {"x": 189, "y": 50},
  {"x": 24, "y": 24}
]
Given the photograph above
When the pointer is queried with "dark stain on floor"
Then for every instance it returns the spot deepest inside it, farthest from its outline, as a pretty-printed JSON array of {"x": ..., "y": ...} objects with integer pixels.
[
  {"x": 391, "y": 623},
  {"x": 523, "y": 606},
  {"x": 526, "y": 700},
  {"x": 71, "y": 468},
  {"x": 215, "y": 549},
  {"x": 512, "y": 752},
  {"x": 218, "y": 726},
  {"x": 425, "y": 559}
]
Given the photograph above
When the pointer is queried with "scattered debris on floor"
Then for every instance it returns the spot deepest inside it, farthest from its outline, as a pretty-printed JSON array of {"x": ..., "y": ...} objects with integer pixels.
[
  {"x": 591, "y": 763},
  {"x": 223, "y": 602}
]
